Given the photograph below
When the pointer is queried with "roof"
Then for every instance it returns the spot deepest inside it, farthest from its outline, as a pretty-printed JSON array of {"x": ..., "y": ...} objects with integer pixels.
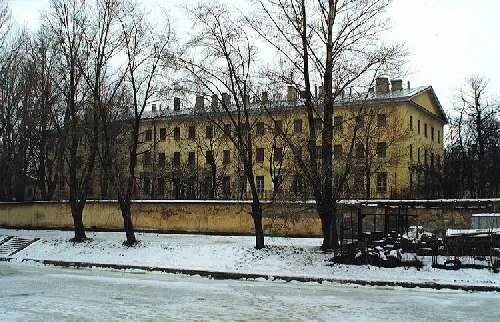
[{"x": 403, "y": 95}]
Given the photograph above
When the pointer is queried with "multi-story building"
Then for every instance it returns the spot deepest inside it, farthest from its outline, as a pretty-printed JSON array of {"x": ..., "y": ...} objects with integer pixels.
[{"x": 390, "y": 140}]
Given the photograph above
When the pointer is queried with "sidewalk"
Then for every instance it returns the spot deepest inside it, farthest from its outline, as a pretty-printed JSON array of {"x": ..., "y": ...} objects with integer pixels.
[{"x": 232, "y": 257}]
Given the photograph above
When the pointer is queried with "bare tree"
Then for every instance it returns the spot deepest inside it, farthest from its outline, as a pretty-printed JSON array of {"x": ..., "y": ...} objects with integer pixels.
[
  {"x": 147, "y": 55},
  {"x": 338, "y": 44},
  {"x": 221, "y": 64}
]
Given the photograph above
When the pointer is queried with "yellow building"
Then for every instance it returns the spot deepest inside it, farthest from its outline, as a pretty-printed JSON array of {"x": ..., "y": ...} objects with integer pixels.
[{"x": 392, "y": 135}]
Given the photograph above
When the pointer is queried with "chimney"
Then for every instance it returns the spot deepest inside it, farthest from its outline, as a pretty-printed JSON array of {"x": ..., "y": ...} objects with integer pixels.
[
  {"x": 396, "y": 85},
  {"x": 177, "y": 104},
  {"x": 226, "y": 99},
  {"x": 200, "y": 103},
  {"x": 291, "y": 94},
  {"x": 153, "y": 107},
  {"x": 265, "y": 97},
  {"x": 382, "y": 85},
  {"x": 409, "y": 85},
  {"x": 215, "y": 102}
]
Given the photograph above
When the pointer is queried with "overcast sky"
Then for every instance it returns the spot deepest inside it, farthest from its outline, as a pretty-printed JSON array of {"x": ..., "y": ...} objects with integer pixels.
[{"x": 448, "y": 40}]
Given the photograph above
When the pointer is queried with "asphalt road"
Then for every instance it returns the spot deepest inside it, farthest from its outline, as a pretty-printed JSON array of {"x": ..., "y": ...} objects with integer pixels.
[{"x": 29, "y": 292}]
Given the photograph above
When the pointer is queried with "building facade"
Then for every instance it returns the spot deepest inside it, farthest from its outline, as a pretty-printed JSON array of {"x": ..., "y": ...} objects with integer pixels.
[{"x": 388, "y": 143}]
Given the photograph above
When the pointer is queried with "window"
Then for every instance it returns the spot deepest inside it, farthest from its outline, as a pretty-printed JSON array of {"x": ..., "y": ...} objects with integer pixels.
[
  {"x": 318, "y": 124},
  {"x": 418, "y": 155},
  {"x": 191, "y": 158},
  {"x": 146, "y": 188},
  {"x": 209, "y": 157},
  {"x": 191, "y": 132},
  {"x": 411, "y": 123},
  {"x": 259, "y": 182},
  {"x": 226, "y": 186},
  {"x": 148, "y": 135},
  {"x": 425, "y": 157},
  {"x": 381, "y": 149},
  {"x": 360, "y": 150},
  {"x": 146, "y": 159},
  {"x": 259, "y": 155},
  {"x": 381, "y": 120},
  {"x": 259, "y": 128},
  {"x": 226, "y": 157},
  {"x": 177, "y": 133},
  {"x": 432, "y": 159},
  {"x": 337, "y": 123},
  {"x": 438, "y": 160},
  {"x": 425, "y": 130},
  {"x": 319, "y": 152},
  {"x": 418, "y": 126},
  {"x": 432, "y": 134},
  {"x": 360, "y": 121},
  {"x": 161, "y": 187},
  {"x": 439, "y": 136},
  {"x": 337, "y": 151},
  {"x": 177, "y": 159},
  {"x": 278, "y": 154},
  {"x": 227, "y": 129},
  {"x": 278, "y": 126},
  {"x": 163, "y": 134},
  {"x": 382, "y": 182},
  {"x": 161, "y": 159},
  {"x": 209, "y": 132},
  {"x": 297, "y": 126},
  {"x": 411, "y": 152}
]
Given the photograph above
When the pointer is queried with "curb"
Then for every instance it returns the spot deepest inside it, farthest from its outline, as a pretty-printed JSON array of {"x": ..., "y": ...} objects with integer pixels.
[{"x": 219, "y": 275}]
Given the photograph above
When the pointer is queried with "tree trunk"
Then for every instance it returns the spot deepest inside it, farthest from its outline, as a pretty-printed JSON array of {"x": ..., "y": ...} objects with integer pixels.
[
  {"x": 128, "y": 225},
  {"x": 329, "y": 227},
  {"x": 79, "y": 229},
  {"x": 257, "y": 220}
]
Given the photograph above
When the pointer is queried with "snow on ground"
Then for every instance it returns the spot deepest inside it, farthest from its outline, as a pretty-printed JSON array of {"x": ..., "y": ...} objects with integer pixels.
[{"x": 282, "y": 256}]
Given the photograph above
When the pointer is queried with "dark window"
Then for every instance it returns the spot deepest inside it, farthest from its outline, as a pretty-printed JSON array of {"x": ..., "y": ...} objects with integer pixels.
[
  {"x": 411, "y": 152},
  {"x": 318, "y": 124},
  {"x": 411, "y": 123},
  {"x": 161, "y": 159},
  {"x": 418, "y": 155},
  {"x": 337, "y": 151},
  {"x": 177, "y": 133},
  {"x": 278, "y": 154},
  {"x": 163, "y": 134},
  {"x": 425, "y": 157},
  {"x": 149, "y": 135},
  {"x": 439, "y": 136},
  {"x": 278, "y": 126},
  {"x": 259, "y": 155},
  {"x": 432, "y": 134},
  {"x": 226, "y": 186},
  {"x": 191, "y": 159},
  {"x": 360, "y": 121},
  {"x": 146, "y": 188},
  {"x": 259, "y": 128},
  {"x": 381, "y": 120},
  {"x": 161, "y": 187},
  {"x": 259, "y": 182},
  {"x": 209, "y": 157},
  {"x": 432, "y": 159},
  {"x": 382, "y": 182},
  {"x": 381, "y": 149},
  {"x": 337, "y": 123},
  {"x": 425, "y": 129},
  {"x": 226, "y": 157},
  {"x": 297, "y": 126},
  {"x": 360, "y": 150},
  {"x": 177, "y": 159},
  {"x": 192, "y": 132},
  {"x": 418, "y": 126},
  {"x": 209, "y": 132},
  {"x": 146, "y": 158},
  {"x": 227, "y": 129}
]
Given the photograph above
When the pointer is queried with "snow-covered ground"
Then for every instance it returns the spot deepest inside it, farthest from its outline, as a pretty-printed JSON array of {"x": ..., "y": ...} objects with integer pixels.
[
  {"x": 44, "y": 293},
  {"x": 283, "y": 256}
]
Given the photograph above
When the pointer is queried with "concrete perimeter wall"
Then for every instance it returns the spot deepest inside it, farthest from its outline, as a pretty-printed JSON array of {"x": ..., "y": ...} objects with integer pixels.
[{"x": 233, "y": 217}]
